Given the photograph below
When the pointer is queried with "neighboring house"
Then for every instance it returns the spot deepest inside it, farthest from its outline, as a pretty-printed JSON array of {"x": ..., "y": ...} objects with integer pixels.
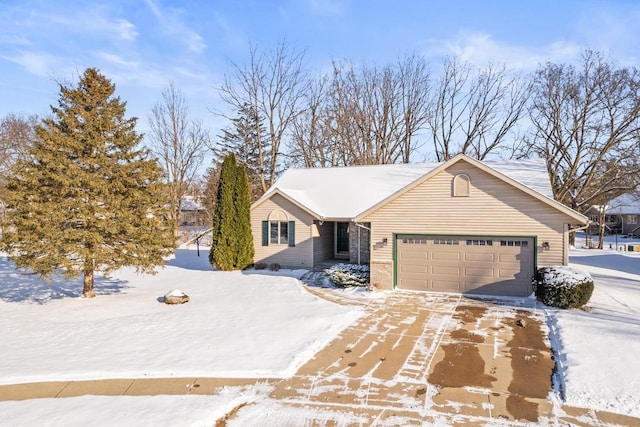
[
  {"x": 622, "y": 216},
  {"x": 192, "y": 213},
  {"x": 457, "y": 226}
]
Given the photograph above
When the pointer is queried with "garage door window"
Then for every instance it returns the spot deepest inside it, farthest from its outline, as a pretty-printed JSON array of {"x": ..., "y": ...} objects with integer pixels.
[
  {"x": 415, "y": 241},
  {"x": 448, "y": 242},
  {"x": 479, "y": 242},
  {"x": 519, "y": 243}
]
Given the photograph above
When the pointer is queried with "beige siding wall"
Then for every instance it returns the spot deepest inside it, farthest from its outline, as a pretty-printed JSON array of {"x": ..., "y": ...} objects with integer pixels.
[
  {"x": 322, "y": 241},
  {"x": 298, "y": 256},
  {"x": 492, "y": 208}
]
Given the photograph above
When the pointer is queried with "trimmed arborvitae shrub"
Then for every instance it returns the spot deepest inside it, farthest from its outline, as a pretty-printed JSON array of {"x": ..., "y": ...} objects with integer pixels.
[
  {"x": 244, "y": 242},
  {"x": 224, "y": 241},
  {"x": 232, "y": 241},
  {"x": 343, "y": 275},
  {"x": 562, "y": 287}
]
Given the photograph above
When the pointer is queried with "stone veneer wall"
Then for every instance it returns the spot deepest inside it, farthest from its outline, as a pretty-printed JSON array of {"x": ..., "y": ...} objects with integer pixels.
[
  {"x": 365, "y": 254},
  {"x": 382, "y": 275}
]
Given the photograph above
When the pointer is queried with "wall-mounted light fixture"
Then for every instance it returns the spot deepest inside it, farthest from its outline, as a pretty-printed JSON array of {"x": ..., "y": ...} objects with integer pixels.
[
  {"x": 384, "y": 240},
  {"x": 545, "y": 245}
]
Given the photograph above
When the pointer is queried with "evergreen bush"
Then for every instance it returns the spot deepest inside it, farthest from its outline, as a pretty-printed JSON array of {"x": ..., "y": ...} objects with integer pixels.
[
  {"x": 232, "y": 240},
  {"x": 343, "y": 275},
  {"x": 562, "y": 287}
]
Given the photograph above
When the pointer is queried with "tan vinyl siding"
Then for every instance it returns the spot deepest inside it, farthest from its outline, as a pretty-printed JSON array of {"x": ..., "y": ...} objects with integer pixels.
[
  {"x": 322, "y": 242},
  {"x": 298, "y": 256},
  {"x": 493, "y": 208}
]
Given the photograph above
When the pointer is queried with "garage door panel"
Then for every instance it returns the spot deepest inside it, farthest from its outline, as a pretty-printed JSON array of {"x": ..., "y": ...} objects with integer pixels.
[
  {"x": 486, "y": 265},
  {"x": 440, "y": 270},
  {"x": 479, "y": 272},
  {"x": 409, "y": 255},
  {"x": 445, "y": 256},
  {"x": 446, "y": 285},
  {"x": 411, "y": 268},
  {"x": 481, "y": 257}
]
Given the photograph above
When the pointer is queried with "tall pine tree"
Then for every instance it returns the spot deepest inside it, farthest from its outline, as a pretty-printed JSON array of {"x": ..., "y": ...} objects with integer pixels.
[
  {"x": 86, "y": 198},
  {"x": 248, "y": 140},
  {"x": 232, "y": 241}
]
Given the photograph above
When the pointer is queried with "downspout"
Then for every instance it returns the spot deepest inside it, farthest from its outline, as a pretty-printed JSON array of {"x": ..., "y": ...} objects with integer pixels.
[{"x": 359, "y": 227}]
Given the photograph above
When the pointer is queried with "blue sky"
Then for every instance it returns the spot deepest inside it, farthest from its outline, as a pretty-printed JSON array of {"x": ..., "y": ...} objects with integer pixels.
[{"x": 143, "y": 45}]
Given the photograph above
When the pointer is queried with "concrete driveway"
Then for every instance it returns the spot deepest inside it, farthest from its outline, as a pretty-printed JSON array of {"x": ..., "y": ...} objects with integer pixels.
[{"x": 424, "y": 353}]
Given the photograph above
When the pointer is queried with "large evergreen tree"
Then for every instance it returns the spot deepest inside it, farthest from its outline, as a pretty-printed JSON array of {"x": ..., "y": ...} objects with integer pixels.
[
  {"x": 86, "y": 198},
  {"x": 232, "y": 242}
]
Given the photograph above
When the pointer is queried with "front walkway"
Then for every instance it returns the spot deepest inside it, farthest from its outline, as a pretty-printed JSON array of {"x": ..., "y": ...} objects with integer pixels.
[{"x": 412, "y": 359}]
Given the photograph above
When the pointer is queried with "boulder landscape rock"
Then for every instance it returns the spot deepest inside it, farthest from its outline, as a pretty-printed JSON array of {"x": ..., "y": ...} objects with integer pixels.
[{"x": 175, "y": 296}]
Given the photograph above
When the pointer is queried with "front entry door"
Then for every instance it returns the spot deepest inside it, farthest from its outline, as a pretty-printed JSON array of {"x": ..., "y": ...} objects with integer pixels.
[{"x": 342, "y": 237}]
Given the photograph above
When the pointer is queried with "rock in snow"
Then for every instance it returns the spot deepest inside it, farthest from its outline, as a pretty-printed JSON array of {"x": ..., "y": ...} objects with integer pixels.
[{"x": 175, "y": 296}]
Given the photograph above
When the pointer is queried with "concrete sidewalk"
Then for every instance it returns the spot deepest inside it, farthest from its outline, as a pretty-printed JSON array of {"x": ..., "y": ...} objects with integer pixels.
[{"x": 413, "y": 358}]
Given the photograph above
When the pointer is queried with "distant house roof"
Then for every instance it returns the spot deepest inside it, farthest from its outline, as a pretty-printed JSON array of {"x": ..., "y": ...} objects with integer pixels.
[
  {"x": 625, "y": 204},
  {"x": 346, "y": 192},
  {"x": 189, "y": 203}
]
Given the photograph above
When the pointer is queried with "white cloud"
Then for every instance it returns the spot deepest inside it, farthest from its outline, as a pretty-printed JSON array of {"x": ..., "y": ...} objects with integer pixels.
[
  {"x": 172, "y": 25},
  {"x": 125, "y": 29},
  {"x": 481, "y": 49},
  {"x": 38, "y": 63},
  {"x": 116, "y": 60}
]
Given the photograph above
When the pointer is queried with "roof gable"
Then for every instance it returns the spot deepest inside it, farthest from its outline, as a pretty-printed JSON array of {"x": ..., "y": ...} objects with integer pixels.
[{"x": 533, "y": 178}]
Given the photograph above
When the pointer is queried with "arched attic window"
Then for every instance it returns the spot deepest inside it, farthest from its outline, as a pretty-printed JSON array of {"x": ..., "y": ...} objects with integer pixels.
[
  {"x": 278, "y": 229},
  {"x": 460, "y": 185}
]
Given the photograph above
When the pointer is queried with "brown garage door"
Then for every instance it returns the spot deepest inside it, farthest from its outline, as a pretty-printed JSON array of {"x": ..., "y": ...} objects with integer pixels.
[{"x": 481, "y": 265}]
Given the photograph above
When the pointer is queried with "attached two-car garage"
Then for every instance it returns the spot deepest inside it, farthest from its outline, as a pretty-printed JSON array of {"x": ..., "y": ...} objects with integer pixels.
[{"x": 479, "y": 265}]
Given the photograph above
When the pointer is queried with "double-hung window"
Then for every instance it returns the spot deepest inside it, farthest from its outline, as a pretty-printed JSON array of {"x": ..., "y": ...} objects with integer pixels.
[{"x": 278, "y": 233}]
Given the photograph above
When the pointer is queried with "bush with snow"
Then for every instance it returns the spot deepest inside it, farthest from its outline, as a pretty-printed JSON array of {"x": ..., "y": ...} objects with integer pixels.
[
  {"x": 343, "y": 275},
  {"x": 562, "y": 287}
]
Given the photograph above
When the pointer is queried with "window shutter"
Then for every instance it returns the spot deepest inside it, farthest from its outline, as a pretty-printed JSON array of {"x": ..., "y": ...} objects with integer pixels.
[
  {"x": 265, "y": 233},
  {"x": 292, "y": 233}
]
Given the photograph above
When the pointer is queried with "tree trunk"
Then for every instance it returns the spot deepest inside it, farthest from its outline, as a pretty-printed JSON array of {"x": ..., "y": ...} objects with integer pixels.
[{"x": 87, "y": 289}]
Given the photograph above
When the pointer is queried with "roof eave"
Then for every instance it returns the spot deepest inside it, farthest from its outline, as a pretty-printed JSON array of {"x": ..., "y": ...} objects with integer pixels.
[{"x": 268, "y": 195}]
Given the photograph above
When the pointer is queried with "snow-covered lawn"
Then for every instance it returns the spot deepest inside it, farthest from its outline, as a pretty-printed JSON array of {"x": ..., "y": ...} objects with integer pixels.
[
  {"x": 600, "y": 345},
  {"x": 236, "y": 324}
]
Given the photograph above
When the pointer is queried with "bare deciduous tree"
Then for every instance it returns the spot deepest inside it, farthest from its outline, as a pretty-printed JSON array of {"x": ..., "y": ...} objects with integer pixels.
[
  {"x": 179, "y": 143},
  {"x": 273, "y": 83},
  {"x": 364, "y": 115},
  {"x": 16, "y": 134},
  {"x": 475, "y": 111},
  {"x": 587, "y": 126}
]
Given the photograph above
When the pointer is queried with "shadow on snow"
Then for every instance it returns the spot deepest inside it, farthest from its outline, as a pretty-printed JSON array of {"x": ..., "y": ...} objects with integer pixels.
[{"x": 17, "y": 285}]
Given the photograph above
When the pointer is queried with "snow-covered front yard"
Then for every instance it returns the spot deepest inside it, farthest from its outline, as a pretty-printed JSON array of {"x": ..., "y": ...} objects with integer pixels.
[{"x": 236, "y": 324}]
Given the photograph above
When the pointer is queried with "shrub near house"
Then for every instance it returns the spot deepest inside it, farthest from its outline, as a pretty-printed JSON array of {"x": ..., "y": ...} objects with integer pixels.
[{"x": 563, "y": 287}]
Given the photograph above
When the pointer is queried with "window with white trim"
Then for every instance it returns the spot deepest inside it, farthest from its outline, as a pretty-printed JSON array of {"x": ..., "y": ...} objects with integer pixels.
[
  {"x": 632, "y": 219},
  {"x": 279, "y": 232}
]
